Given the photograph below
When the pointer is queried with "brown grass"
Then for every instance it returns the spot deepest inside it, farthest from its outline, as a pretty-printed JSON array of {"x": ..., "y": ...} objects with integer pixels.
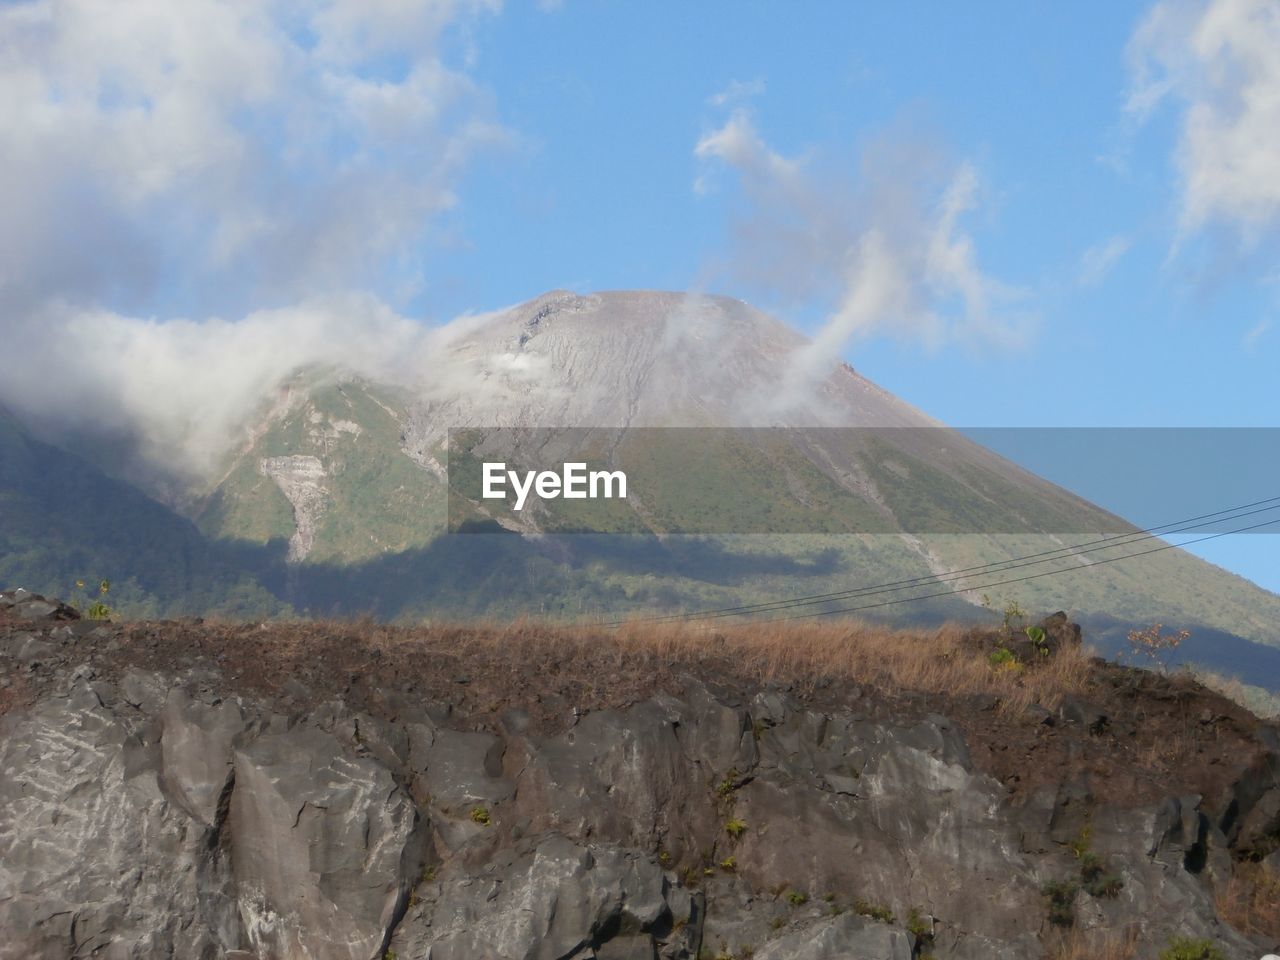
[
  {"x": 945, "y": 661},
  {"x": 1095, "y": 945},
  {"x": 948, "y": 661},
  {"x": 1250, "y": 900},
  {"x": 554, "y": 673}
]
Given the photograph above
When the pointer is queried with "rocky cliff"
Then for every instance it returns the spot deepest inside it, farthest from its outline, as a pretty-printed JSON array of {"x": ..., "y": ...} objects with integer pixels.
[{"x": 350, "y": 791}]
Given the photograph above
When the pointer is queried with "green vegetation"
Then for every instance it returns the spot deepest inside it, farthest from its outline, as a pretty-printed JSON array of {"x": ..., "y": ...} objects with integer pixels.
[
  {"x": 797, "y": 899},
  {"x": 876, "y": 911},
  {"x": 735, "y": 827},
  {"x": 1080, "y": 844},
  {"x": 1092, "y": 877},
  {"x": 61, "y": 516},
  {"x": 919, "y": 927},
  {"x": 1038, "y": 637},
  {"x": 481, "y": 816},
  {"x": 94, "y": 608},
  {"x": 1013, "y": 615},
  {"x": 1183, "y": 948},
  {"x": 376, "y": 500},
  {"x": 1002, "y": 657}
]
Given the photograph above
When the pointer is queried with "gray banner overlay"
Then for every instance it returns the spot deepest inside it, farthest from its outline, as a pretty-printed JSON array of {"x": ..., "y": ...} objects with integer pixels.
[{"x": 780, "y": 480}]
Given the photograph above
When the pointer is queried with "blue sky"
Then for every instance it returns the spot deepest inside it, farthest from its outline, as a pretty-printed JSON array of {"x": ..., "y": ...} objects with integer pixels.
[
  {"x": 1008, "y": 214},
  {"x": 612, "y": 98}
]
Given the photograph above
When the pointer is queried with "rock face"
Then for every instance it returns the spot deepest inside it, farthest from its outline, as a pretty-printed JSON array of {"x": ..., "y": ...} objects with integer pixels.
[
  {"x": 25, "y": 605},
  {"x": 300, "y": 478},
  {"x": 159, "y": 815}
]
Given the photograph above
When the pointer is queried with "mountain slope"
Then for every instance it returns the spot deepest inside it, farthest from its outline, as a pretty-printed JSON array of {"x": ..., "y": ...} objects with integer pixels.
[
  {"x": 62, "y": 521},
  {"x": 354, "y": 474},
  {"x": 338, "y": 501}
]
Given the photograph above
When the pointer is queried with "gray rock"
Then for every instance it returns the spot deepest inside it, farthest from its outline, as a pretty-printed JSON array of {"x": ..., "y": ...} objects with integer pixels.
[
  {"x": 146, "y": 817},
  {"x": 94, "y": 858},
  {"x": 322, "y": 847},
  {"x": 840, "y": 938},
  {"x": 559, "y": 899},
  {"x": 196, "y": 744}
]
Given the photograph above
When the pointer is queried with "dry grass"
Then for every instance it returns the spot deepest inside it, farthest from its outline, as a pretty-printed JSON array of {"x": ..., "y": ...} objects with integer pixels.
[
  {"x": 947, "y": 661},
  {"x": 950, "y": 661},
  {"x": 1250, "y": 900},
  {"x": 1095, "y": 945},
  {"x": 1167, "y": 751}
]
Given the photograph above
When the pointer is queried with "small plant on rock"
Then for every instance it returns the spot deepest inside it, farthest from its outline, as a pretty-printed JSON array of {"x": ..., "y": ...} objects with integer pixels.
[
  {"x": 1079, "y": 845},
  {"x": 1095, "y": 878},
  {"x": 876, "y": 911},
  {"x": 797, "y": 899},
  {"x": 1013, "y": 615},
  {"x": 735, "y": 827},
  {"x": 1184, "y": 948},
  {"x": 481, "y": 816},
  {"x": 96, "y": 609},
  {"x": 1039, "y": 639},
  {"x": 1060, "y": 897},
  {"x": 1003, "y": 658},
  {"x": 919, "y": 927}
]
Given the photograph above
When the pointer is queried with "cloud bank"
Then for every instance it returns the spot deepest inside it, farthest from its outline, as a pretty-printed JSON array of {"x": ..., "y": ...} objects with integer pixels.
[{"x": 175, "y": 160}]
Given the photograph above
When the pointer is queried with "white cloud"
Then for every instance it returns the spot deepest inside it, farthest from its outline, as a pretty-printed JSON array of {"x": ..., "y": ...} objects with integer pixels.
[
  {"x": 183, "y": 392},
  {"x": 230, "y": 155},
  {"x": 884, "y": 251},
  {"x": 736, "y": 91},
  {"x": 1219, "y": 61},
  {"x": 738, "y": 145},
  {"x": 254, "y": 148},
  {"x": 1098, "y": 261}
]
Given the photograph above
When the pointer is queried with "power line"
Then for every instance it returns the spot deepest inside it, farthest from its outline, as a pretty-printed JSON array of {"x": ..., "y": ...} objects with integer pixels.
[
  {"x": 1033, "y": 576},
  {"x": 993, "y": 567},
  {"x": 997, "y": 566}
]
